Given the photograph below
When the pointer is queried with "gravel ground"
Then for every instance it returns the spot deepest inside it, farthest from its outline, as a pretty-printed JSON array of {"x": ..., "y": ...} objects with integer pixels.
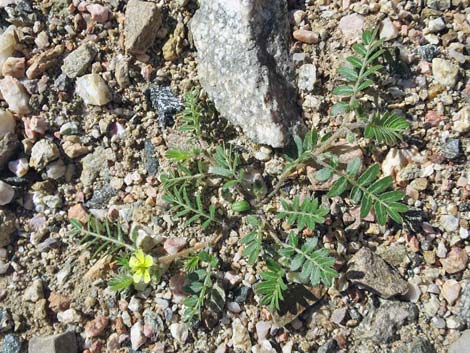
[{"x": 84, "y": 132}]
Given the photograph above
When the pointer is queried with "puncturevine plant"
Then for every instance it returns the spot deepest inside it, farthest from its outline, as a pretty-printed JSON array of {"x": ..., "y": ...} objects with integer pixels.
[{"x": 288, "y": 257}]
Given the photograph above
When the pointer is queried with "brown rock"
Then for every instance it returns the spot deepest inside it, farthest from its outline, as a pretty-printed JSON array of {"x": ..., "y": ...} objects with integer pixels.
[
  {"x": 143, "y": 20},
  {"x": 302, "y": 35},
  {"x": 41, "y": 62},
  {"x": 455, "y": 261},
  {"x": 58, "y": 302},
  {"x": 79, "y": 213},
  {"x": 14, "y": 67},
  {"x": 96, "y": 327}
]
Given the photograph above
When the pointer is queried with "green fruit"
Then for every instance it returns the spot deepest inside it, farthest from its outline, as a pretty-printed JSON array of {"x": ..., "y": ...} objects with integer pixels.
[{"x": 241, "y": 206}]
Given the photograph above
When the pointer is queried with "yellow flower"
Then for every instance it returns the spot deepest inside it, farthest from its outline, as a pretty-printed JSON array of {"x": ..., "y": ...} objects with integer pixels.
[{"x": 140, "y": 265}]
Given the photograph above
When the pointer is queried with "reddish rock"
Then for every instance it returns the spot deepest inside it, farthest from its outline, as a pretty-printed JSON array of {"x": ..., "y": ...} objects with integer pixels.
[
  {"x": 79, "y": 213},
  {"x": 302, "y": 35},
  {"x": 455, "y": 261},
  {"x": 58, "y": 302},
  {"x": 96, "y": 327}
]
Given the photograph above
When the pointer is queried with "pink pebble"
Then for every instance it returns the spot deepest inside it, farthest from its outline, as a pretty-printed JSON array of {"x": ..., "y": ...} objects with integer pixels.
[{"x": 98, "y": 12}]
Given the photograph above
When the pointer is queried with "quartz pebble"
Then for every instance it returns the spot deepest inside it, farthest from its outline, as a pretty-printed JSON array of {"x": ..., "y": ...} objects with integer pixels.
[
  {"x": 43, "y": 153},
  {"x": 93, "y": 90},
  {"x": 388, "y": 31},
  {"x": 351, "y": 26},
  {"x": 445, "y": 72},
  {"x": 15, "y": 95},
  {"x": 179, "y": 332},
  {"x": 7, "y": 193},
  {"x": 7, "y": 45},
  {"x": 455, "y": 261},
  {"x": 305, "y": 36},
  {"x": 451, "y": 290}
]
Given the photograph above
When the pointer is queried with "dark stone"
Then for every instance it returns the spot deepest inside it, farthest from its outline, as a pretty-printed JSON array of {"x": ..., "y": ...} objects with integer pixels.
[
  {"x": 382, "y": 324},
  {"x": 150, "y": 162},
  {"x": 329, "y": 347},
  {"x": 101, "y": 197},
  {"x": 451, "y": 149},
  {"x": 428, "y": 51},
  {"x": 11, "y": 344},
  {"x": 6, "y": 322},
  {"x": 241, "y": 294},
  {"x": 165, "y": 103}
]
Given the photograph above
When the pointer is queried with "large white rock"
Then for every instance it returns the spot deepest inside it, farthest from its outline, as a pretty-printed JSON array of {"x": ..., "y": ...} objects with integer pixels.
[
  {"x": 7, "y": 45},
  {"x": 245, "y": 67},
  {"x": 15, "y": 95},
  {"x": 93, "y": 90}
]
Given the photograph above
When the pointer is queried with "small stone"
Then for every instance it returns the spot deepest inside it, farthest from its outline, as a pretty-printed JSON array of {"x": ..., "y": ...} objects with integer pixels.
[
  {"x": 58, "y": 302},
  {"x": 79, "y": 213},
  {"x": 234, "y": 307},
  {"x": 7, "y": 123},
  {"x": 445, "y": 72},
  {"x": 339, "y": 315},
  {"x": 173, "y": 245},
  {"x": 135, "y": 305},
  {"x": 455, "y": 261},
  {"x": 436, "y": 25},
  {"x": 388, "y": 31},
  {"x": 451, "y": 149},
  {"x": 179, "y": 332},
  {"x": 305, "y": 36},
  {"x": 451, "y": 291},
  {"x": 146, "y": 241},
  {"x": 166, "y": 103},
  {"x": 34, "y": 292},
  {"x": 35, "y": 127},
  {"x": 14, "y": 67},
  {"x": 142, "y": 21},
  {"x": 329, "y": 347},
  {"x": 56, "y": 170},
  {"x": 96, "y": 327},
  {"x": 441, "y": 250},
  {"x": 61, "y": 343},
  {"x": 240, "y": 336},
  {"x": 307, "y": 77},
  {"x": 93, "y": 90},
  {"x": 420, "y": 184},
  {"x": 137, "y": 337},
  {"x": 382, "y": 324},
  {"x": 440, "y": 5},
  {"x": 449, "y": 223},
  {"x": 438, "y": 322},
  {"x": 453, "y": 323},
  {"x": 69, "y": 316},
  {"x": 462, "y": 120},
  {"x": 418, "y": 345},
  {"x": 11, "y": 344},
  {"x": 351, "y": 26},
  {"x": 98, "y": 12},
  {"x": 371, "y": 271},
  {"x": 43, "y": 153},
  {"x": 15, "y": 95},
  {"x": 70, "y": 128},
  {"x": 7, "y": 193},
  {"x": 7, "y": 44},
  {"x": 262, "y": 329},
  {"x": 77, "y": 62}
]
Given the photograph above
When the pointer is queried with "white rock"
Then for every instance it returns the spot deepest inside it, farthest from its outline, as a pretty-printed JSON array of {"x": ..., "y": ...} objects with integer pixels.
[
  {"x": 462, "y": 121},
  {"x": 307, "y": 77},
  {"x": 15, "y": 95},
  {"x": 93, "y": 90},
  {"x": 137, "y": 337},
  {"x": 240, "y": 337},
  {"x": 135, "y": 304},
  {"x": 56, "y": 170},
  {"x": 436, "y": 25},
  {"x": 19, "y": 167},
  {"x": 179, "y": 332},
  {"x": 7, "y": 45},
  {"x": 6, "y": 193},
  {"x": 69, "y": 316},
  {"x": 388, "y": 31},
  {"x": 395, "y": 160},
  {"x": 445, "y": 72},
  {"x": 262, "y": 329},
  {"x": 34, "y": 292},
  {"x": 351, "y": 26},
  {"x": 7, "y": 123},
  {"x": 43, "y": 153}
]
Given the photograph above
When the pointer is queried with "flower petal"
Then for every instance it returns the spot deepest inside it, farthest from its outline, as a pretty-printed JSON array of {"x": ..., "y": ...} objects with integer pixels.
[
  {"x": 139, "y": 254},
  {"x": 137, "y": 277},
  {"x": 133, "y": 262},
  {"x": 148, "y": 262},
  {"x": 147, "y": 277}
]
